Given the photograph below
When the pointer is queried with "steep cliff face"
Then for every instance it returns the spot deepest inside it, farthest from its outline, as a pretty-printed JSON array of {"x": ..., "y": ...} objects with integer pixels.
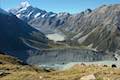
[{"x": 66, "y": 55}]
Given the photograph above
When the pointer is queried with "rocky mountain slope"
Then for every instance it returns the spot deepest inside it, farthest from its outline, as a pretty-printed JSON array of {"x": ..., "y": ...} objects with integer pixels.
[
  {"x": 28, "y": 13},
  {"x": 30, "y": 45},
  {"x": 97, "y": 29},
  {"x": 18, "y": 37}
]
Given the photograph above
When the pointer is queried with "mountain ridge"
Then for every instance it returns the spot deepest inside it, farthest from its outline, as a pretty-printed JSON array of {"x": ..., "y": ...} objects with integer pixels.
[
  {"x": 98, "y": 28},
  {"x": 16, "y": 35}
]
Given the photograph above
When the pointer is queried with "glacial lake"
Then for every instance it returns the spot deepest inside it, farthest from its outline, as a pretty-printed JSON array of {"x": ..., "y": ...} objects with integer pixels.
[{"x": 71, "y": 64}]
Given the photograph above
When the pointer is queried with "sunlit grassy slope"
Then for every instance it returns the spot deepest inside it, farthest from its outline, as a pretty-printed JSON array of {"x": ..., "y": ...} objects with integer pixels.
[{"x": 14, "y": 70}]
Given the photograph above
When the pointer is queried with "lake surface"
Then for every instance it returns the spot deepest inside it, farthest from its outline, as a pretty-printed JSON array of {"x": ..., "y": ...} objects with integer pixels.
[{"x": 71, "y": 64}]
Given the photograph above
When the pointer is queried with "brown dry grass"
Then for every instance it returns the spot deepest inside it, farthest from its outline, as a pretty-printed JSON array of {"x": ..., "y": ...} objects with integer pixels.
[{"x": 25, "y": 72}]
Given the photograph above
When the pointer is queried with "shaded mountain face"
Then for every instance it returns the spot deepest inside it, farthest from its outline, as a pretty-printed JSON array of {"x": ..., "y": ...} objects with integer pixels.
[
  {"x": 18, "y": 37},
  {"x": 97, "y": 29}
]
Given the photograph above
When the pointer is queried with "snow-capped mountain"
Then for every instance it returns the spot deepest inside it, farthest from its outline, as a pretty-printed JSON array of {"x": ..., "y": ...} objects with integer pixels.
[
  {"x": 96, "y": 29},
  {"x": 39, "y": 19},
  {"x": 26, "y": 12}
]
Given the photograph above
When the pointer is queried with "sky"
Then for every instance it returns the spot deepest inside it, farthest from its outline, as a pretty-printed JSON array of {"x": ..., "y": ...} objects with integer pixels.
[{"x": 71, "y": 6}]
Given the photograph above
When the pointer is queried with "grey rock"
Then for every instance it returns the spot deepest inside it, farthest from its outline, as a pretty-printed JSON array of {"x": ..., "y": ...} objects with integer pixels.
[{"x": 3, "y": 73}]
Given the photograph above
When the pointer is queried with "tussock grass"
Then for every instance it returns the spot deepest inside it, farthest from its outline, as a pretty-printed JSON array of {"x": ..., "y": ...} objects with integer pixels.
[{"x": 26, "y": 72}]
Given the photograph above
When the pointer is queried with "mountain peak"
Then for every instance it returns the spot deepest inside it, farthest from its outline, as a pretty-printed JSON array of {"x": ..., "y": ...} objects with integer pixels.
[
  {"x": 3, "y": 12},
  {"x": 25, "y": 4}
]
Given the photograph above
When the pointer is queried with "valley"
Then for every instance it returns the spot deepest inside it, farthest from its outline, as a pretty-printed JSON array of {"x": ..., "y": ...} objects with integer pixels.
[
  {"x": 60, "y": 43},
  {"x": 36, "y": 44}
]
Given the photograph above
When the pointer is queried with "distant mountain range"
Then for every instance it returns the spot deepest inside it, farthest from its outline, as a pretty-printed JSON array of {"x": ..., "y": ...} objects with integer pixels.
[
  {"x": 17, "y": 38},
  {"x": 97, "y": 29}
]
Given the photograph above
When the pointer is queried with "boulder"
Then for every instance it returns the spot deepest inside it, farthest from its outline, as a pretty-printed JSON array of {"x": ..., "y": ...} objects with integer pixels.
[
  {"x": 3, "y": 73},
  {"x": 88, "y": 77},
  {"x": 113, "y": 66}
]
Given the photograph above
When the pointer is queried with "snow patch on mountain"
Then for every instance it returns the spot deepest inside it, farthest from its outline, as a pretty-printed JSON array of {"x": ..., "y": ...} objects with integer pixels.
[
  {"x": 18, "y": 15},
  {"x": 38, "y": 14},
  {"x": 23, "y": 9},
  {"x": 43, "y": 15},
  {"x": 52, "y": 15},
  {"x": 25, "y": 4},
  {"x": 30, "y": 14}
]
